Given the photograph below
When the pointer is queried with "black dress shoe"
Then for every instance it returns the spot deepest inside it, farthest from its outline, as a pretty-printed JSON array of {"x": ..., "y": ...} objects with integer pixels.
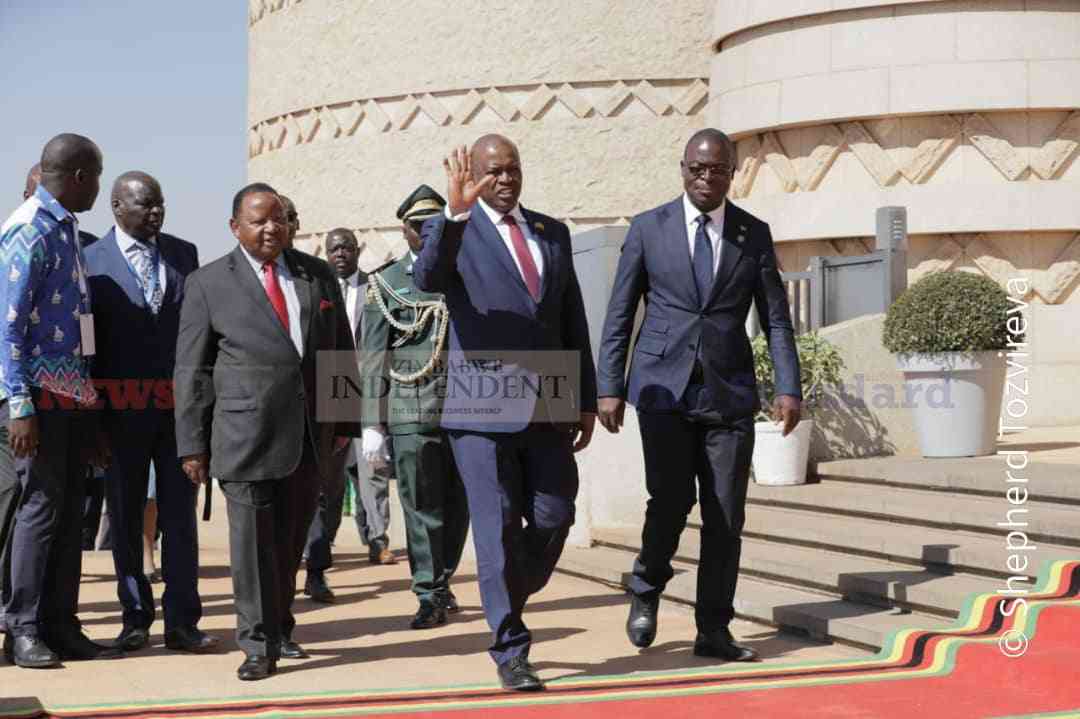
[
  {"x": 721, "y": 645},
  {"x": 449, "y": 602},
  {"x": 76, "y": 646},
  {"x": 316, "y": 588},
  {"x": 132, "y": 639},
  {"x": 641, "y": 624},
  {"x": 255, "y": 668},
  {"x": 430, "y": 614},
  {"x": 190, "y": 639},
  {"x": 33, "y": 653},
  {"x": 9, "y": 648},
  {"x": 518, "y": 675},
  {"x": 292, "y": 650}
]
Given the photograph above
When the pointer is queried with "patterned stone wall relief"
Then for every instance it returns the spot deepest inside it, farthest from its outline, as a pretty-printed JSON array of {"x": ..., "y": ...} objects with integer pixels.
[
  {"x": 898, "y": 150},
  {"x": 258, "y": 9},
  {"x": 1049, "y": 261},
  {"x": 581, "y": 101}
]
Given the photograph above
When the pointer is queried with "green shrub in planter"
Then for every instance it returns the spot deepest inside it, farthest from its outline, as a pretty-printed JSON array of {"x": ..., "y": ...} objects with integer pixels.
[
  {"x": 820, "y": 364},
  {"x": 948, "y": 312}
]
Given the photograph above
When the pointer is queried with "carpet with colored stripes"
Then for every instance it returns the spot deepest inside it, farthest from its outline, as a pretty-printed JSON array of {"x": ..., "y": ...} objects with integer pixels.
[{"x": 1019, "y": 658}]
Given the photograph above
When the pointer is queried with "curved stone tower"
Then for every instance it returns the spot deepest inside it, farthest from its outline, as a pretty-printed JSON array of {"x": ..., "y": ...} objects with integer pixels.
[
  {"x": 964, "y": 111},
  {"x": 355, "y": 102}
]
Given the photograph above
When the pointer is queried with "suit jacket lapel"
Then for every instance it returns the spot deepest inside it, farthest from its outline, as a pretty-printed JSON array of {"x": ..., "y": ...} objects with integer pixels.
[
  {"x": 306, "y": 292},
  {"x": 546, "y": 251},
  {"x": 171, "y": 290},
  {"x": 731, "y": 251},
  {"x": 673, "y": 227},
  {"x": 250, "y": 284},
  {"x": 490, "y": 234},
  {"x": 121, "y": 270}
]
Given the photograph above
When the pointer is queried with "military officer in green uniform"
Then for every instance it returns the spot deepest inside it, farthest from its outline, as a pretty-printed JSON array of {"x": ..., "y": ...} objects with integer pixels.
[{"x": 403, "y": 337}]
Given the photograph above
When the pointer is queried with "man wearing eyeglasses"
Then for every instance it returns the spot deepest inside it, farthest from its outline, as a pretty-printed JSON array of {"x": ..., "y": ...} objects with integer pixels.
[{"x": 698, "y": 261}]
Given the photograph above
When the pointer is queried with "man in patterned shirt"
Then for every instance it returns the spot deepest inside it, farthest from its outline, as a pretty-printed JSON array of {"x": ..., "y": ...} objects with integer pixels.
[{"x": 44, "y": 380}]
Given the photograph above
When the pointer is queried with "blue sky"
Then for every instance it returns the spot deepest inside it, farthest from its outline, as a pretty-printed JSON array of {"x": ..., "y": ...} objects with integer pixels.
[{"x": 161, "y": 86}]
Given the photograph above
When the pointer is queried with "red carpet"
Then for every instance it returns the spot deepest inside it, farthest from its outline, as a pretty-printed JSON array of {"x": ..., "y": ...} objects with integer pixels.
[{"x": 959, "y": 673}]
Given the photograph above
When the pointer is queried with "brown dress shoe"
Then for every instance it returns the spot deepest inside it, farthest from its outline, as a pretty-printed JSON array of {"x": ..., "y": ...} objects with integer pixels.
[{"x": 380, "y": 553}]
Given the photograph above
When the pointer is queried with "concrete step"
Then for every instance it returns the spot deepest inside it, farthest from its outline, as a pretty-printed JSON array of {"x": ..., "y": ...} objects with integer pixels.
[
  {"x": 943, "y": 550},
  {"x": 816, "y": 614},
  {"x": 872, "y": 581},
  {"x": 986, "y": 476},
  {"x": 1046, "y": 521}
]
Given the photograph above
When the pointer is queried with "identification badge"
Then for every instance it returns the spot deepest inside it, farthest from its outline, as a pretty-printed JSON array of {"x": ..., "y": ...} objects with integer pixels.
[{"x": 86, "y": 330}]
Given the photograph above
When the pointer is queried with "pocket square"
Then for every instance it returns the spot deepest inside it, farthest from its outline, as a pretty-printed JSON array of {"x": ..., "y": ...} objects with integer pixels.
[{"x": 325, "y": 305}]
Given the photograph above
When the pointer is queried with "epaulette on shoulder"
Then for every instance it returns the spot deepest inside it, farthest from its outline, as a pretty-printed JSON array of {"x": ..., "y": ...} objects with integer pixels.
[
  {"x": 373, "y": 282},
  {"x": 383, "y": 266}
]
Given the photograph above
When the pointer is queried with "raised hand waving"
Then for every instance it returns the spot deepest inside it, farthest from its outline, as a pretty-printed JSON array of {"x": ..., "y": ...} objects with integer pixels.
[{"x": 462, "y": 190}]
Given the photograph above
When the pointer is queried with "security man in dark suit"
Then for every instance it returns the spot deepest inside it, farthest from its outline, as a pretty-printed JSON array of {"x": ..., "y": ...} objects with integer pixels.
[
  {"x": 252, "y": 411},
  {"x": 698, "y": 262},
  {"x": 404, "y": 335},
  {"x": 137, "y": 274}
]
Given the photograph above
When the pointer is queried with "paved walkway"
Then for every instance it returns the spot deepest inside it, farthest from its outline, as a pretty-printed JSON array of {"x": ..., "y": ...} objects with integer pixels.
[{"x": 364, "y": 640}]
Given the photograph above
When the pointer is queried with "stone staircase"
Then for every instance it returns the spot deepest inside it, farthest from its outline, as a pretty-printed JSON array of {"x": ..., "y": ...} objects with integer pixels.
[{"x": 872, "y": 546}]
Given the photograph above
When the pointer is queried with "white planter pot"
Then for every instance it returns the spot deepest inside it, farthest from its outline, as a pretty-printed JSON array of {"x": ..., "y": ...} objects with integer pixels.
[
  {"x": 956, "y": 398},
  {"x": 780, "y": 460}
]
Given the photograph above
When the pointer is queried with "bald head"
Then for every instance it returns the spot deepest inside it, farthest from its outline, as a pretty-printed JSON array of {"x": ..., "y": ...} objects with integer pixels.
[
  {"x": 707, "y": 138},
  {"x": 69, "y": 152},
  {"x": 131, "y": 181},
  {"x": 497, "y": 156},
  {"x": 32, "y": 179},
  {"x": 491, "y": 144},
  {"x": 138, "y": 205},
  {"x": 71, "y": 170}
]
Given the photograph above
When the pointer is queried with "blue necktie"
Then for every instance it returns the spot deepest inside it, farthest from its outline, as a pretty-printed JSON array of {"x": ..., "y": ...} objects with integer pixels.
[
  {"x": 147, "y": 260},
  {"x": 703, "y": 260}
]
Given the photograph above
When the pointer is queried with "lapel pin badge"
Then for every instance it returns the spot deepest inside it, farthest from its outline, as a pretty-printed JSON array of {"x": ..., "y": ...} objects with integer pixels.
[{"x": 538, "y": 227}]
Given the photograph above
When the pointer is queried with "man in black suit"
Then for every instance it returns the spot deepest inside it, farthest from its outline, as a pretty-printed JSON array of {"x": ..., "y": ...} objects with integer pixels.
[
  {"x": 343, "y": 253},
  {"x": 137, "y": 275},
  {"x": 698, "y": 262},
  {"x": 249, "y": 409}
]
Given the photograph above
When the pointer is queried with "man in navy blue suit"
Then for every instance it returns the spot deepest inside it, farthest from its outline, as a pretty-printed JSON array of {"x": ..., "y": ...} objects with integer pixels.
[
  {"x": 137, "y": 276},
  {"x": 509, "y": 282},
  {"x": 698, "y": 262}
]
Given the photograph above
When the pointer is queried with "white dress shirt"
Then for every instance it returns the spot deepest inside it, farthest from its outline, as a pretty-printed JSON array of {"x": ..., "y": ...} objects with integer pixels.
[
  {"x": 288, "y": 288},
  {"x": 714, "y": 230},
  {"x": 130, "y": 248},
  {"x": 497, "y": 219},
  {"x": 351, "y": 294}
]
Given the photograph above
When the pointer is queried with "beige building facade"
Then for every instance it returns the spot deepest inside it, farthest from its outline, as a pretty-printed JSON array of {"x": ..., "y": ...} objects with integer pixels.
[
  {"x": 355, "y": 102},
  {"x": 967, "y": 112}
]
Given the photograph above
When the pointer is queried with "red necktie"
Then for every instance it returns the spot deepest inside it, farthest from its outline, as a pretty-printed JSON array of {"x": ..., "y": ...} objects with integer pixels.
[
  {"x": 524, "y": 258},
  {"x": 273, "y": 291}
]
